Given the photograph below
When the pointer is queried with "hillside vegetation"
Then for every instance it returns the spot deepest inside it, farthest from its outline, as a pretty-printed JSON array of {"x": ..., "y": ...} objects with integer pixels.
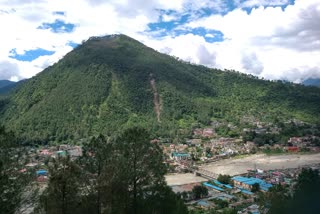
[{"x": 112, "y": 82}]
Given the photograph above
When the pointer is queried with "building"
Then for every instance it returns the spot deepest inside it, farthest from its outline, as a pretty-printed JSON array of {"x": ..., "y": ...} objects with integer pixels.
[
  {"x": 42, "y": 172},
  {"x": 293, "y": 149},
  {"x": 180, "y": 156},
  {"x": 75, "y": 151},
  {"x": 247, "y": 183}
]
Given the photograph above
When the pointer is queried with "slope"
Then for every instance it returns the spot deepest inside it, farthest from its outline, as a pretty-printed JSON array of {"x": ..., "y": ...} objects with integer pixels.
[{"x": 115, "y": 81}]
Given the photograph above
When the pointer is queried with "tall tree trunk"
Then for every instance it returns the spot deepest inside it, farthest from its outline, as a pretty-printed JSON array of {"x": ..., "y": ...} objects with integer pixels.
[
  {"x": 134, "y": 182},
  {"x": 99, "y": 192}
]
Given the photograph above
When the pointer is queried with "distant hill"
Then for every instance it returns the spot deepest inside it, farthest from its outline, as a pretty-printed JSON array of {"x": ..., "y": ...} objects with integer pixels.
[
  {"x": 312, "y": 82},
  {"x": 6, "y": 86},
  {"x": 4, "y": 83},
  {"x": 112, "y": 82}
]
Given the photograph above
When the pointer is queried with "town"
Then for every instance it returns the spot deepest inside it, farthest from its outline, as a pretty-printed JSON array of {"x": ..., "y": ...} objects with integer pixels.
[{"x": 211, "y": 172}]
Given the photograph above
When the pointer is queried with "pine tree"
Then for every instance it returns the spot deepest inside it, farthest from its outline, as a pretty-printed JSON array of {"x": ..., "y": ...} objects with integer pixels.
[
  {"x": 63, "y": 192},
  {"x": 14, "y": 185}
]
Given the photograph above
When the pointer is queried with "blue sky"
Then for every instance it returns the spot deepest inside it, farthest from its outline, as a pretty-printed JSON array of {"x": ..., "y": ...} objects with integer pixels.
[
  {"x": 30, "y": 55},
  {"x": 273, "y": 39}
]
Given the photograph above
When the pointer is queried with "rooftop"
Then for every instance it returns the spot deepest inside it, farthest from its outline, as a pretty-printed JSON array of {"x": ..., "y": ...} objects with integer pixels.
[{"x": 250, "y": 181}]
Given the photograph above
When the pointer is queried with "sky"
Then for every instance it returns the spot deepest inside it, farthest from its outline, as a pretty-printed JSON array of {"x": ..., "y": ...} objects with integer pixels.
[{"x": 271, "y": 39}]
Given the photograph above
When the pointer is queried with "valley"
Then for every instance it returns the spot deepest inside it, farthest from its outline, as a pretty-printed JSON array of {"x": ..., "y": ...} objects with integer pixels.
[{"x": 116, "y": 125}]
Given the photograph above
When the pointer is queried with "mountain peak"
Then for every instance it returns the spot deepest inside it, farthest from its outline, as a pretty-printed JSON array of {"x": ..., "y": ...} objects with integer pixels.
[
  {"x": 115, "y": 81},
  {"x": 111, "y": 39}
]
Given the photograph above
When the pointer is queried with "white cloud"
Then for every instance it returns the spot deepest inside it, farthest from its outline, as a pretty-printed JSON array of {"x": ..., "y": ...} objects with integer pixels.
[
  {"x": 9, "y": 70},
  {"x": 270, "y": 42},
  {"x": 251, "y": 63},
  {"x": 209, "y": 35},
  {"x": 205, "y": 57},
  {"x": 285, "y": 40}
]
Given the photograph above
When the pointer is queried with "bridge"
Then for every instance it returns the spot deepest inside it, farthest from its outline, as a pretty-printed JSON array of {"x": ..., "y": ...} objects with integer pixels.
[{"x": 206, "y": 174}]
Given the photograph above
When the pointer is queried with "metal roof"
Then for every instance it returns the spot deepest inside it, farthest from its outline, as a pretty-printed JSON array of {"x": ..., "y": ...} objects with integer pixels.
[
  {"x": 250, "y": 181},
  {"x": 212, "y": 186}
]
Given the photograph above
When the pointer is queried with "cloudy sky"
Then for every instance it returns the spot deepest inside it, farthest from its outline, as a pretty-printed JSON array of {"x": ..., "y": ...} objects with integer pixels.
[{"x": 273, "y": 39}]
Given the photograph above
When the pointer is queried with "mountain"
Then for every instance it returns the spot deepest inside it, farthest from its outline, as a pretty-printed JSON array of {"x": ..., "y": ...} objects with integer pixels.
[
  {"x": 4, "y": 83},
  {"x": 312, "y": 82},
  {"x": 115, "y": 81},
  {"x": 6, "y": 86}
]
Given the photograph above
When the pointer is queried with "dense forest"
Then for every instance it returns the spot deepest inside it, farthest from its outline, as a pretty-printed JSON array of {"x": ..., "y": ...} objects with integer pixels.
[{"x": 105, "y": 84}]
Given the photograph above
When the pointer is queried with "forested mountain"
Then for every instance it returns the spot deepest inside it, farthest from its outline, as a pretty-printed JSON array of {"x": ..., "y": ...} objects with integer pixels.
[
  {"x": 115, "y": 81},
  {"x": 7, "y": 86},
  {"x": 4, "y": 83}
]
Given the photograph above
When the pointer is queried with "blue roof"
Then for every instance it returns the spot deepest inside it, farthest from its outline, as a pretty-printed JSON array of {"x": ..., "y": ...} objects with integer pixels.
[
  {"x": 250, "y": 181},
  {"x": 217, "y": 182},
  {"x": 227, "y": 186},
  {"x": 176, "y": 154},
  {"x": 203, "y": 203},
  {"x": 246, "y": 192},
  {"x": 41, "y": 172},
  {"x": 213, "y": 187}
]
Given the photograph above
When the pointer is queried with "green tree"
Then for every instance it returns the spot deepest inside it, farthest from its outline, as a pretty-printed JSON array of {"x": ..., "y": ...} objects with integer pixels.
[
  {"x": 96, "y": 162},
  {"x": 128, "y": 174},
  {"x": 63, "y": 192},
  {"x": 277, "y": 197},
  {"x": 225, "y": 179},
  {"x": 221, "y": 203},
  {"x": 305, "y": 198},
  {"x": 255, "y": 187},
  {"x": 15, "y": 186},
  {"x": 199, "y": 191},
  {"x": 141, "y": 166}
]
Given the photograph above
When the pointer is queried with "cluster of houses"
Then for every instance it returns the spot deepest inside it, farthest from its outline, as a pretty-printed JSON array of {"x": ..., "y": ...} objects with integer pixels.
[
  {"x": 237, "y": 194},
  {"x": 37, "y": 159},
  {"x": 205, "y": 146},
  {"x": 203, "y": 151},
  {"x": 240, "y": 193},
  {"x": 306, "y": 143}
]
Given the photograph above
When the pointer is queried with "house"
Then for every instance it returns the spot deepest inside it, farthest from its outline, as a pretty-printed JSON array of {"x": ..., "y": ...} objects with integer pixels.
[
  {"x": 64, "y": 147},
  {"x": 293, "y": 149},
  {"x": 42, "y": 178},
  {"x": 31, "y": 164},
  {"x": 75, "y": 151},
  {"x": 178, "y": 156},
  {"x": 204, "y": 204},
  {"x": 213, "y": 187},
  {"x": 295, "y": 140},
  {"x": 208, "y": 132},
  {"x": 252, "y": 209},
  {"x": 61, "y": 153},
  {"x": 42, "y": 172},
  {"x": 197, "y": 132},
  {"x": 195, "y": 142},
  {"x": 45, "y": 152}
]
